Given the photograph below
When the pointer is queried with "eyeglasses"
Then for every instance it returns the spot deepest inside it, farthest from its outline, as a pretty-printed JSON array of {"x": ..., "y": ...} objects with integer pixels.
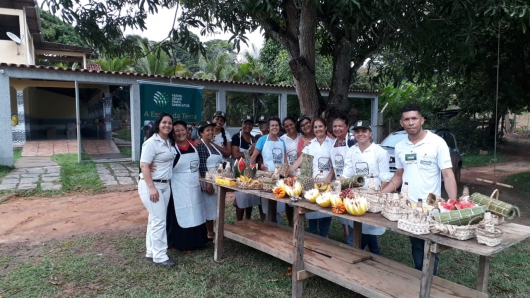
[{"x": 302, "y": 125}]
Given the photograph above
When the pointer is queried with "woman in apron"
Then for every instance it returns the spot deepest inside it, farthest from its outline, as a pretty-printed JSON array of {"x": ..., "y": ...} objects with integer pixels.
[
  {"x": 272, "y": 149},
  {"x": 188, "y": 231},
  {"x": 210, "y": 158},
  {"x": 320, "y": 149},
  {"x": 242, "y": 142},
  {"x": 304, "y": 125},
  {"x": 338, "y": 155},
  {"x": 291, "y": 139},
  {"x": 365, "y": 158},
  {"x": 153, "y": 186}
]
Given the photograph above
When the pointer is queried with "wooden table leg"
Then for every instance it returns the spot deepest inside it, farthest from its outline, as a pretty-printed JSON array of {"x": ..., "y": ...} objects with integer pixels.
[
  {"x": 271, "y": 212},
  {"x": 427, "y": 270},
  {"x": 483, "y": 274},
  {"x": 298, "y": 252},
  {"x": 357, "y": 234},
  {"x": 220, "y": 223}
]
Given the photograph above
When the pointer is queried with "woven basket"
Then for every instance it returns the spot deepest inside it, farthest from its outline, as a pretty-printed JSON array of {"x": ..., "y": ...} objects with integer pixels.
[
  {"x": 452, "y": 231},
  {"x": 414, "y": 226},
  {"x": 229, "y": 175},
  {"x": 394, "y": 213},
  {"x": 284, "y": 170},
  {"x": 246, "y": 185},
  {"x": 260, "y": 173},
  {"x": 267, "y": 184},
  {"x": 488, "y": 237}
]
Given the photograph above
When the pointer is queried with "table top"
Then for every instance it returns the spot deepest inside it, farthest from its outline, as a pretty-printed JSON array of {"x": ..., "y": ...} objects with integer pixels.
[{"x": 512, "y": 233}]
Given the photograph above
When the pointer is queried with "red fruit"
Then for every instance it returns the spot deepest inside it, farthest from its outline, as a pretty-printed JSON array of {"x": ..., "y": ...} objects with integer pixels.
[
  {"x": 254, "y": 166},
  {"x": 241, "y": 164},
  {"x": 452, "y": 202}
]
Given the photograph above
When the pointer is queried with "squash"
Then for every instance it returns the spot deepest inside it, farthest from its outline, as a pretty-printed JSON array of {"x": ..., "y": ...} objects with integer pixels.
[
  {"x": 338, "y": 208},
  {"x": 279, "y": 192}
]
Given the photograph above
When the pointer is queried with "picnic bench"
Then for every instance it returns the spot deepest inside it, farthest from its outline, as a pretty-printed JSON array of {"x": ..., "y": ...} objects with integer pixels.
[{"x": 355, "y": 269}]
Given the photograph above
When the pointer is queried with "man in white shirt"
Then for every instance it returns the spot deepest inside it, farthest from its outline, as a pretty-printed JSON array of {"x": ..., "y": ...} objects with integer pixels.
[{"x": 420, "y": 159}]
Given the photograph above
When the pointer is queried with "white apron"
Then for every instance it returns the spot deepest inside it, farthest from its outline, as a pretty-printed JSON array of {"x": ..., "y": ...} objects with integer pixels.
[
  {"x": 321, "y": 162},
  {"x": 245, "y": 200},
  {"x": 210, "y": 201},
  {"x": 273, "y": 154},
  {"x": 187, "y": 198},
  {"x": 362, "y": 165}
]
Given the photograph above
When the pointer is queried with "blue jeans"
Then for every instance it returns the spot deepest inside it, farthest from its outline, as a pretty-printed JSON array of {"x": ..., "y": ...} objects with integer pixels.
[
  {"x": 366, "y": 240},
  {"x": 417, "y": 246},
  {"x": 322, "y": 223}
]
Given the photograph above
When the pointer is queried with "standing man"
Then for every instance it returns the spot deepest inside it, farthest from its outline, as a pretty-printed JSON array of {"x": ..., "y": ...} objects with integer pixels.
[
  {"x": 263, "y": 128},
  {"x": 420, "y": 159}
]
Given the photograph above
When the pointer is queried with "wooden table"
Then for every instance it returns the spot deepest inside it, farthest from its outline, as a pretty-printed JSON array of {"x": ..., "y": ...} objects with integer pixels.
[{"x": 365, "y": 273}]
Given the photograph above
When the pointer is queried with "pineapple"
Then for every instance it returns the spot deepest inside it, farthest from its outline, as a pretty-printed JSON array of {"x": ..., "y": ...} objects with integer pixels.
[
  {"x": 249, "y": 171},
  {"x": 307, "y": 183}
]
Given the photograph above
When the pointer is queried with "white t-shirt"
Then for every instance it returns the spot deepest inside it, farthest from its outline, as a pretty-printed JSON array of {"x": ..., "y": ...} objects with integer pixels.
[
  {"x": 374, "y": 160},
  {"x": 422, "y": 164},
  {"x": 291, "y": 147}
]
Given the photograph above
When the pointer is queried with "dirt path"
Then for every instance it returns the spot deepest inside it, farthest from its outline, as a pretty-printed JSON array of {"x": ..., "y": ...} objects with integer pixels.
[{"x": 37, "y": 220}]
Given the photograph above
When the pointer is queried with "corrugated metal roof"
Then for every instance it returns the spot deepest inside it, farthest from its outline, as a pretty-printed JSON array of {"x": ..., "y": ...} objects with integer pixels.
[{"x": 142, "y": 75}]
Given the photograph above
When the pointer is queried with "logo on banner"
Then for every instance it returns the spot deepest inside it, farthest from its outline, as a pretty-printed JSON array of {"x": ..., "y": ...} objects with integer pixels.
[{"x": 161, "y": 99}]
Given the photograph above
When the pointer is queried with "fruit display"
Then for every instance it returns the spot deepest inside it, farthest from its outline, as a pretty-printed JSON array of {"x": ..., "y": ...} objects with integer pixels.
[
  {"x": 292, "y": 187},
  {"x": 322, "y": 187},
  {"x": 312, "y": 195},
  {"x": 242, "y": 167},
  {"x": 455, "y": 205},
  {"x": 323, "y": 200},
  {"x": 338, "y": 208},
  {"x": 224, "y": 181},
  {"x": 356, "y": 206},
  {"x": 279, "y": 192},
  {"x": 335, "y": 199}
]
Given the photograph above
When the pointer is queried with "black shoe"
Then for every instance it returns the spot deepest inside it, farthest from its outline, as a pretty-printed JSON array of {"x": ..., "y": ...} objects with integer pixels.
[{"x": 167, "y": 263}]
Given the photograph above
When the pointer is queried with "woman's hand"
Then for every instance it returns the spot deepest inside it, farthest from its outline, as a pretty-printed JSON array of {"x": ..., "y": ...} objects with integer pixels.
[
  {"x": 209, "y": 189},
  {"x": 264, "y": 167},
  {"x": 306, "y": 142},
  {"x": 152, "y": 167},
  {"x": 153, "y": 194},
  {"x": 198, "y": 141}
]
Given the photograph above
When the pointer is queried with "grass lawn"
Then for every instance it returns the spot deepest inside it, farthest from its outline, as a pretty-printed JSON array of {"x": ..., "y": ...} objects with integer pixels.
[
  {"x": 124, "y": 134},
  {"x": 4, "y": 170},
  {"x": 78, "y": 176},
  {"x": 109, "y": 265},
  {"x": 473, "y": 158},
  {"x": 127, "y": 151},
  {"x": 521, "y": 182}
]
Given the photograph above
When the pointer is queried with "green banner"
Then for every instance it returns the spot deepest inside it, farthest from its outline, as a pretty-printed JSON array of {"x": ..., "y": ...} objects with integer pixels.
[{"x": 182, "y": 102}]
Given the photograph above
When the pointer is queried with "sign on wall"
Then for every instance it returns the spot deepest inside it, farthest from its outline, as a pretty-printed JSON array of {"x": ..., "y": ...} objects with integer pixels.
[{"x": 182, "y": 102}]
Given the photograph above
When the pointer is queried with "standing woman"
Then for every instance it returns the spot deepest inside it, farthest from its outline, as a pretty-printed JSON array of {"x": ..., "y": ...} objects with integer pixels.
[
  {"x": 241, "y": 143},
  {"x": 153, "y": 187},
  {"x": 304, "y": 125},
  {"x": 222, "y": 140},
  {"x": 365, "y": 158},
  {"x": 338, "y": 155},
  {"x": 210, "y": 158},
  {"x": 320, "y": 149},
  {"x": 272, "y": 149},
  {"x": 186, "y": 230},
  {"x": 291, "y": 139}
]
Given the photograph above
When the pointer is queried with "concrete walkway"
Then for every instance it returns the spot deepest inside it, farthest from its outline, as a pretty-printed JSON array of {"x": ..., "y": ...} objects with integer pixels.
[
  {"x": 49, "y": 178},
  {"x": 118, "y": 175}
]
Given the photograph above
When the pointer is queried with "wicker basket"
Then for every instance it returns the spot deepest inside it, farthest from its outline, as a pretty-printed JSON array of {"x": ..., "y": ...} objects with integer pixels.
[
  {"x": 267, "y": 184},
  {"x": 229, "y": 175},
  {"x": 394, "y": 213},
  {"x": 489, "y": 237},
  {"x": 260, "y": 174},
  {"x": 497, "y": 219},
  {"x": 414, "y": 226},
  {"x": 457, "y": 232},
  {"x": 246, "y": 185}
]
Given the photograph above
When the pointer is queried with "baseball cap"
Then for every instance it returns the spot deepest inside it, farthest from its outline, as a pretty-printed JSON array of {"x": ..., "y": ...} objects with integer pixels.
[
  {"x": 247, "y": 118},
  {"x": 362, "y": 124},
  {"x": 205, "y": 124},
  {"x": 262, "y": 119},
  {"x": 219, "y": 114}
]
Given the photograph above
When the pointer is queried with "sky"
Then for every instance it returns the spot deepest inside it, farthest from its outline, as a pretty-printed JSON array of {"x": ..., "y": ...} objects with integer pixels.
[{"x": 159, "y": 25}]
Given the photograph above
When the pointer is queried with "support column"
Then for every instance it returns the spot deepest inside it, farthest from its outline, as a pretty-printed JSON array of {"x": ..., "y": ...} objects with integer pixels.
[
  {"x": 136, "y": 122},
  {"x": 220, "y": 100},
  {"x": 373, "y": 120},
  {"x": 282, "y": 106},
  {"x": 6, "y": 135},
  {"x": 19, "y": 131}
]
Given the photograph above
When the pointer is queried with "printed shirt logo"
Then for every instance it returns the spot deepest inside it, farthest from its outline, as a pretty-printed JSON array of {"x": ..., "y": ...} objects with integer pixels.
[
  {"x": 324, "y": 164},
  {"x": 194, "y": 166},
  {"x": 161, "y": 99},
  {"x": 361, "y": 168},
  {"x": 277, "y": 156},
  {"x": 359, "y": 123},
  {"x": 339, "y": 164},
  {"x": 292, "y": 156}
]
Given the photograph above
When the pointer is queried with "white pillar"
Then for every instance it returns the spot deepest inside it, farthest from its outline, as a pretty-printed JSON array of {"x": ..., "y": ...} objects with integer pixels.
[
  {"x": 6, "y": 135},
  {"x": 282, "y": 106},
  {"x": 373, "y": 120},
  {"x": 78, "y": 122},
  {"x": 136, "y": 124},
  {"x": 19, "y": 131},
  {"x": 220, "y": 100}
]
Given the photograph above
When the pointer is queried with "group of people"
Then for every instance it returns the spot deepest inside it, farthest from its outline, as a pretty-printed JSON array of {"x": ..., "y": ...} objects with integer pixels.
[{"x": 182, "y": 209}]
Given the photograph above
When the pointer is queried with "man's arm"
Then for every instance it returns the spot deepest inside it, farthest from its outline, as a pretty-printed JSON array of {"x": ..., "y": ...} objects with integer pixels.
[
  {"x": 450, "y": 183},
  {"x": 395, "y": 182}
]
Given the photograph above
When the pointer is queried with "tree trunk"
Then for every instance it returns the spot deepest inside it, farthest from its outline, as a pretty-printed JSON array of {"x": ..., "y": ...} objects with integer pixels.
[{"x": 338, "y": 104}]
